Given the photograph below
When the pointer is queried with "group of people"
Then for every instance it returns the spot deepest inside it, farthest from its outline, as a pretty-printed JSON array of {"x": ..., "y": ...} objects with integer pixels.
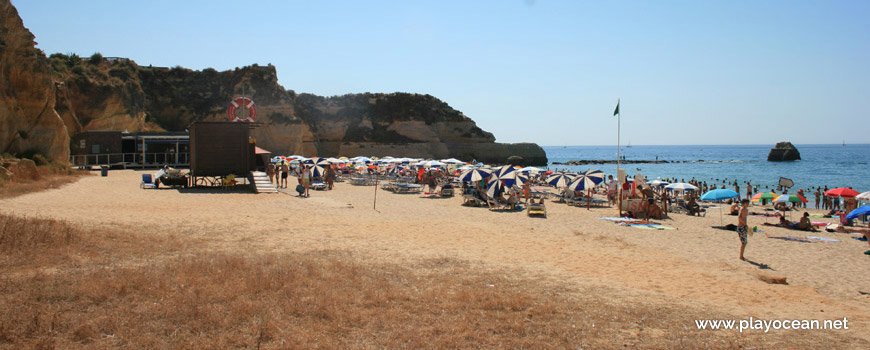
[{"x": 279, "y": 173}]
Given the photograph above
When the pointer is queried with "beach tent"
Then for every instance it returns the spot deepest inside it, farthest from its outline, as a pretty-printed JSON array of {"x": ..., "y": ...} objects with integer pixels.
[{"x": 764, "y": 195}]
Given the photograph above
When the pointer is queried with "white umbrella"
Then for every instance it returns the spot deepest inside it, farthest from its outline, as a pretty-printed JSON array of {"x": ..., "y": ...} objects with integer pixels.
[
  {"x": 657, "y": 183},
  {"x": 530, "y": 169},
  {"x": 452, "y": 161},
  {"x": 430, "y": 164},
  {"x": 681, "y": 186},
  {"x": 863, "y": 196}
]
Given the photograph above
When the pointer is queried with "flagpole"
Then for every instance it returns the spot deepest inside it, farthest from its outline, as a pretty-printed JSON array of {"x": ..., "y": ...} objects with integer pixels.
[{"x": 618, "y": 158}]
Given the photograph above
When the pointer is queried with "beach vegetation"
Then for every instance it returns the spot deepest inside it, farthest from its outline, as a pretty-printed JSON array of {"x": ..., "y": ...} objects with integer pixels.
[{"x": 96, "y": 58}]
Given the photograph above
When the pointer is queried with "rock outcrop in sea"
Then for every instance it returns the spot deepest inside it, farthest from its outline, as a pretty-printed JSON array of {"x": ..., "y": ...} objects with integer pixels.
[
  {"x": 47, "y": 100},
  {"x": 783, "y": 152}
]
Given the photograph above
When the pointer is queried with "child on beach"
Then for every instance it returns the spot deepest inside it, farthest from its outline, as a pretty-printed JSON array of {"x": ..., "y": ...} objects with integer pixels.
[{"x": 742, "y": 226}]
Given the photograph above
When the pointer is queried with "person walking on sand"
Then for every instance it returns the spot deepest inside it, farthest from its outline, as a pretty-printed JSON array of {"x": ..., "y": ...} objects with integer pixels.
[
  {"x": 742, "y": 226},
  {"x": 270, "y": 169},
  {"x": 306, "y": 180},
  {"x": 285, "y": 171}
]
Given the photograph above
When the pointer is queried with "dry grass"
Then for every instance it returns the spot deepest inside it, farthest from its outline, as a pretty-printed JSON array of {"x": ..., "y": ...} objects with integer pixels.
[
  {"x": 138, "y": 291},
  {"x": 47, "y": 177}
]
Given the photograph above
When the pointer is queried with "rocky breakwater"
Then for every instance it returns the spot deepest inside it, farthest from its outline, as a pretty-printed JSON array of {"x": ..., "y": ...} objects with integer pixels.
[
  {"x": 28, "y": 120},
  {"x": 783, "y": 152}
]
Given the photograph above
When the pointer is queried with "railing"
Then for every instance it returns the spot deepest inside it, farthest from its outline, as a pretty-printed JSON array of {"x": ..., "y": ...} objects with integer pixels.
[{"x": 132, "y": 160}]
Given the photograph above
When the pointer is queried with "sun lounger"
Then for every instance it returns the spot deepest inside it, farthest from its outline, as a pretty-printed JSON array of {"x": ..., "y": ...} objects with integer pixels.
[
  {"x": 408, "y": 188},
  {"x": 447, "y": 191},
  {"x": 147, "y": 182},
  {"x": 318, "y": 186},
  {"x": 537, "y": 209}
]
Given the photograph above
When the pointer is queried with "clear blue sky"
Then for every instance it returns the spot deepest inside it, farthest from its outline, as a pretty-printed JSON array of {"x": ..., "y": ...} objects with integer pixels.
[{"x": 687, "y": 72}]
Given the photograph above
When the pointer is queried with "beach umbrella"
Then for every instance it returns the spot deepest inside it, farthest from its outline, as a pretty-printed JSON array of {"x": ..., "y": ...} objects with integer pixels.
[
  {"x": 581, "y": 183},
  {"x": 681, "y": 186},
  {"x": 657, "y": 183},
  {"x": 452, "y": 161},
  {"x": 316, "y": 170},
  {"x": 430, "y": 164},
  {"x": 530, "y": 169},
  {"x": 494, "y": 187},
  {"x": 472, "y": 175},
  {"x": 842, "y": 192},
  {"x": 862, "y": 210},
  {"x": 560, "y": 180},
  {"x": 863, "y": 196},
  {"x": 297, "y": 157},
  {"x": 719, "y": 194},
  {"x": 510, "y": 176},
  {"x": 764, "y": 195},
  {"x": 790, "y": 198},
  {"x": 596, "y": 176}
]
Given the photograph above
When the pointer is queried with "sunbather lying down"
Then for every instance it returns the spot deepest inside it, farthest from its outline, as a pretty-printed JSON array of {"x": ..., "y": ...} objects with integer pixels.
[
  {"x": 805, "y": 224},
  {"x": 863, "y": 230}
]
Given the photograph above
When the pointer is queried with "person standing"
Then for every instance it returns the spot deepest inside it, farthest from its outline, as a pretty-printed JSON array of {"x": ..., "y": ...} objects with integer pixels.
[
  {"x": 817, "y": 194},
  {"x": 270, "y": 169},
  {"x": 743, "y": 226},
  {"x": 306, "y": 180},
  {"x": 330, "y": 177},
  {"x": 285, "y": 171}
]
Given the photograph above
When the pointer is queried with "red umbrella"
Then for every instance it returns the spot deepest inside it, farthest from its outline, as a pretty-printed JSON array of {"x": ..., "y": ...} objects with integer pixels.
[{"x": 842, "y": 192}]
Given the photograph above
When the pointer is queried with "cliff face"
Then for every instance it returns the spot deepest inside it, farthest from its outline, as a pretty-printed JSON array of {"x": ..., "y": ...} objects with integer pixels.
[
  {"x": 28, "y": 121},
  {"x": 45, "y": 101}
]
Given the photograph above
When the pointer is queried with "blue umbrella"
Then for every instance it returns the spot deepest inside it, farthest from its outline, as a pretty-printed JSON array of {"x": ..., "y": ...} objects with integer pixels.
[
  {"x": 863, "y": 210},
  {"x": 719, "y": 194}
]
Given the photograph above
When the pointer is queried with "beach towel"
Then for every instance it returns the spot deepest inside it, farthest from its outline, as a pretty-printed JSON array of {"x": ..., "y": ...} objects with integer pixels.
[
  {"x": 651, "y": 227},
  {"x": 617, "y": 219},
  {"x": 792, "y": 238},
  {"x": 862, "y": 238},
  {"x": 823, "y": 239}
]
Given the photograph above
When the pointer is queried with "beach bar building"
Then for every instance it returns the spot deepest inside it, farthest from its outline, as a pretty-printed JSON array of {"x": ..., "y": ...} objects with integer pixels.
[
  {"x": 221, "y": 149},
  {"x": 130, "y": 149}
]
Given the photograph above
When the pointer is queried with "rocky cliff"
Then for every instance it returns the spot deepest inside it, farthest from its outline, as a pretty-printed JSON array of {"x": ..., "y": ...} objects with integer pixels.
[
  {"x": 28, "y": 120},
  {"x": 46, "y": 101}
]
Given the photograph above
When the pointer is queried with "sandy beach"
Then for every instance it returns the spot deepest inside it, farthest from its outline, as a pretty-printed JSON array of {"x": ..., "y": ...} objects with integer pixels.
[{"x": 693, "y": 266}]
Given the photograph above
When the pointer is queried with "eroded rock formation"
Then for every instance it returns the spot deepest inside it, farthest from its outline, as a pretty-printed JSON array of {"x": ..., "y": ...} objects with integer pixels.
[
  {"x": 28, "y": 120},
  {"x": 47, "y": 100}
]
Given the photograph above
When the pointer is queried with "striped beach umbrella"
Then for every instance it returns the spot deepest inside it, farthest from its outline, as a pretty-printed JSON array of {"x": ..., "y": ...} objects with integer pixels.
[
  {"x": 764, "y": 195},
  {"x": 560, "y": 180},
  {"x": 510, "y": 176},
  {"x": 596, "y": 176},
  {"x": 790, "y": 198},
  {"x": 472, "y": 175},
  {"x": 494, "y": 187}
]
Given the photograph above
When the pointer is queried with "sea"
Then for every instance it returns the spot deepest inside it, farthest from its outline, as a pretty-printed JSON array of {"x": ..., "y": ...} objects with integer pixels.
[{"x": 844, "y": 165}]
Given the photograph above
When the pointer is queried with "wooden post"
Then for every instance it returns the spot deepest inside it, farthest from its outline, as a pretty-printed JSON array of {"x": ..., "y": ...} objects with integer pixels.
[{"x": 375, "y": 204}]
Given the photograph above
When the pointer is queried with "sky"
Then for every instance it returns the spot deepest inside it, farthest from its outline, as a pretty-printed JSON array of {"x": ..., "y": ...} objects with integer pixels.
[{"x": 549, "y": 72}]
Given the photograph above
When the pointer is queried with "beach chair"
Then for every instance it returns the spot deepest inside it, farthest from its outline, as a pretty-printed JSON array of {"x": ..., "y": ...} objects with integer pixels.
[
  {"x": 537, "y": 209},
  {"x": 318, "y": 186},
  {"x": 147, "y": 182},
  {"x": 447, "y": 190}
]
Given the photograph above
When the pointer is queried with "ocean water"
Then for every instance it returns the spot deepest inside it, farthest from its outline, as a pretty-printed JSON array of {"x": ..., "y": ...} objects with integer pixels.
[{"x": 821, "y": 165}]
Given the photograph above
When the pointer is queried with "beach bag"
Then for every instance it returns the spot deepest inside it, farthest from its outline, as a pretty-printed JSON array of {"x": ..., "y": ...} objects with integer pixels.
[{"x": 300, "y": 189}]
